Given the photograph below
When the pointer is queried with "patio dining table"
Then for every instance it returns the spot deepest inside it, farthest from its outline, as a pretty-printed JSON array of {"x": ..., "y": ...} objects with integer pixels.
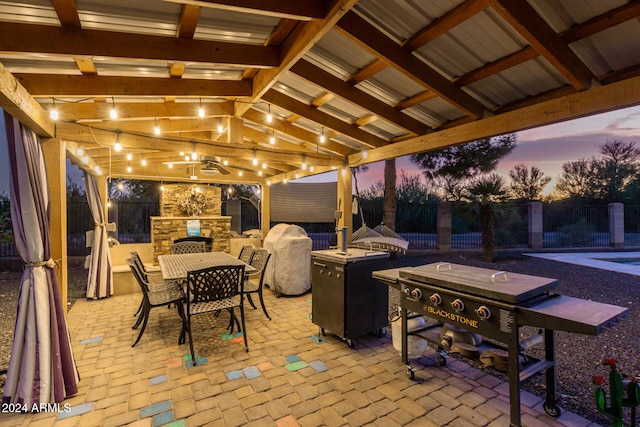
[{"x": 176, "y": 266}]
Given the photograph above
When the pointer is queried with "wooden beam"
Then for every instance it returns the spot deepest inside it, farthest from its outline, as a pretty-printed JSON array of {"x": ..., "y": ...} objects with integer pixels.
[
  {"x": 376, "y": 42},
  {"x": 533, "y": 28},
  {"x": 328, "y": 81},
  {"x": 290, "y": 104},
  {"x": 176, "y": 70},
  {"x": 602, "y": 22},
  {"x": 446, "y": 22},
  {"x": 497, "y": 66},
  {"x": 67, "y": 13},
  {"x": 286, "y": 127},
  {"x": 18, "y": 102},
  {"x": 299, "y": 41},
  {"x": 19, "y": 37},
  {"x": 51, "y": 85},
  {"x": 189, "y": 17},
  {"x": 136, "y": 110},
  {"x": 293, "y": 9},
  {"x": 416, "y": 99},
  {"x": 581, "y": 104},
  {"x": 367, "y": 71},
  {"x": 86, "y": 65}
]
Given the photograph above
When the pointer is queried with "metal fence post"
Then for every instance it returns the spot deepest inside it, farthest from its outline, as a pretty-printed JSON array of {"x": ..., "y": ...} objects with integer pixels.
[{"x": 616, "y": 225}]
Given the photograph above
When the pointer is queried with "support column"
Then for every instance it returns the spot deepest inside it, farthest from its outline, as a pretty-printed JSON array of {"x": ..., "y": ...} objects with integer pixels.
[
  {"x": 443, "y": 227},
  {"x": 54, "y": 151},
  {"x": 616, "y": 225},
  {"x": 345, "y": 194},
  {"x": 534, "y": 225},
  {"x": 265, "y": 210}
]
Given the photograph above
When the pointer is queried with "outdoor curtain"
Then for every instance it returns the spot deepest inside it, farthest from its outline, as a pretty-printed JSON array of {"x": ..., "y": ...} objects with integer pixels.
[
  {"x": 42, "y": 368},
  {"x": 100, "y": 280}
]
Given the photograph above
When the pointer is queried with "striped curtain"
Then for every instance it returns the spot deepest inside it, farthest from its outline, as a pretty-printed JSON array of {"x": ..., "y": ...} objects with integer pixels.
[
  {"x": 42, "y": 368},
  {"x": 100, "y": 279}
]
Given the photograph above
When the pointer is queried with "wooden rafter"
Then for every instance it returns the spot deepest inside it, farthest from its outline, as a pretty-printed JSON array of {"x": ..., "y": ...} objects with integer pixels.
[
  {"x": 376, "y": 42},
  {"x": 335, "y": 85},
  {"x": 67, "y": 13},
  {"x": 19, "y": 37},
  {"x": 189, "y": 17},
  {"x": 524, "y": 19},
  {"x": 50, "y": 85},
  {"x": 293, "y": 9}
]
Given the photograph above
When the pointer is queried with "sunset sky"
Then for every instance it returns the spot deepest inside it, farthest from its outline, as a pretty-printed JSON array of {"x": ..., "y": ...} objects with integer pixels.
[{"x": 546, "y": 147}]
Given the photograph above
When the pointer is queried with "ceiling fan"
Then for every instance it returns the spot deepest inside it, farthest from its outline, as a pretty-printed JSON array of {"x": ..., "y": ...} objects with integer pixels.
[{"x": 211, "y": 165}]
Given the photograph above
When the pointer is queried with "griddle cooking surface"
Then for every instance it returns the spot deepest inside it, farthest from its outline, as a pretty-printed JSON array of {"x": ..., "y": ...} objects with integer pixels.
[{"x": 511, "y": 288}]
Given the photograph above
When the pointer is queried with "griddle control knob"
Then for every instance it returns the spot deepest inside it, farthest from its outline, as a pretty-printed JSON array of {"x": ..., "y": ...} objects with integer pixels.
[
  {"x": 457, "y": 305},
  {"x": 436, "y": 299},
  {"x": 483, "y": 312},
  {"x": 416, "y": 293}
]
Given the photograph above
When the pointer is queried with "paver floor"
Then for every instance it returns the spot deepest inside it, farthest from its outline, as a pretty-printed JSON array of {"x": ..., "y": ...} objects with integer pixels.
[{"x": 290, "y": 376}]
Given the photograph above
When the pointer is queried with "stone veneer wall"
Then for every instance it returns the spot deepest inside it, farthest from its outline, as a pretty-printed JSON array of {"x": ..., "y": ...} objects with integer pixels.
[
  {"x": 172, "y": 192},
  {"x": 172, "y": 224}
]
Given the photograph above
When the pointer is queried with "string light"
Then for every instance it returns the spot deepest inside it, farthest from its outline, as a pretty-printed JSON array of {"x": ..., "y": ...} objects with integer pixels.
[
  {"x": 304, "y": 162},
  {"x": 156, "y": 128},
  {"x": 220, "y": 127},
  {"x": 284, "y": 181},
  {"x": 225, "y": 162},
  {"x": 201, "y": 110},
  {"x": 268, "y": 182},
  {"x": 117, "y": 146},
  {"x": 322, "y": 137},
  {"x": 255, "y": 159},
  {"x": 272, "y": 139},
  {"x": 161, "y": 185},
  {"x": 170, "y": 165},
  {"x": 143, "y": 162},
  {"x": 269, "y": 116},
  {"x": 120, "y": 186},
  {"x": 239, "y": 173},
  {"x": 53, "y": 113},
  {"x": 129, "y": 156},
  {"x": 264, "y": 166},
  {"x": 259, "y": 173},
  {"x": 129, "y": 168},
  {"x": 80, "y": 151},
  {"x": 113, "y": 113},
  {"x": 108, "y": 203}
]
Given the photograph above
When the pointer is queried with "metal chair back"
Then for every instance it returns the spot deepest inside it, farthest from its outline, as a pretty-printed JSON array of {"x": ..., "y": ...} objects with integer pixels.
[
  {"x": 187, "y": 247},
  {"x": 246, "y": 253}
]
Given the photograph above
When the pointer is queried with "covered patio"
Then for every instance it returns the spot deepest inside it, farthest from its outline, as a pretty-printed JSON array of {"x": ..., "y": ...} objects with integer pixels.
[{"x": 262, "y": 93}]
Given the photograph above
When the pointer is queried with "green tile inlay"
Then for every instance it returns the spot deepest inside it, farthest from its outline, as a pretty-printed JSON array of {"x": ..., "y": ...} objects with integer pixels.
[
  {"x": 296, "y": 365},
  {"x": 156, "y": 408},
  {"x": 76, "y": 410},
  {"x": 163, "y": 418}
]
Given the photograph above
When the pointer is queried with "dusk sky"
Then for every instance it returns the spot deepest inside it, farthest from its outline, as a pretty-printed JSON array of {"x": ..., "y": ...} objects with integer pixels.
[{"x": 546, "y": 147}]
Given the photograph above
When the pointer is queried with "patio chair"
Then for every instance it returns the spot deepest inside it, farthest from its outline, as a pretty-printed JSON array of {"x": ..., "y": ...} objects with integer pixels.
[
  {"x": 253, "y": 282},
  {"x": 187, "y": 247},
  {"x": 153, "y": 285},
  {"x": 154, "y": 298},
  {"x": 246, "y": 253},
  {"x": 210, "y": 290}
]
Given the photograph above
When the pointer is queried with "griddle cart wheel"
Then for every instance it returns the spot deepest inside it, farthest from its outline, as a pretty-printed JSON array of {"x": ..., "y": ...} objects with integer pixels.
[
  {"x": 410, "y": 373},
  {"x": 442, "y": 360},
  {"x": 551, "y": 409}
]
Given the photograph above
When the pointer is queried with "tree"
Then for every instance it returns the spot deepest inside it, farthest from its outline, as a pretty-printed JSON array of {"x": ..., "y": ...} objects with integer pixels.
[
  {"x": 487, "y": 193},
  {"x": 465, "y": 160},
  {"x": 577, "y": 180},
  {"x": 527, "y": 183}
]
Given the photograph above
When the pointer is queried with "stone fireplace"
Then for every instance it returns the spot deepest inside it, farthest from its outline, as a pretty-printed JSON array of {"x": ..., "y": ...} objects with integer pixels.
[{"x": 172, "y": 222}]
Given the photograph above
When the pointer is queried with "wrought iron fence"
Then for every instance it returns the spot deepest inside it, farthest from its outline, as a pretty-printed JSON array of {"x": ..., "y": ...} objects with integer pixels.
[
  {"x": 632, "y": 225},
  {"x": 575, "y": 226}
]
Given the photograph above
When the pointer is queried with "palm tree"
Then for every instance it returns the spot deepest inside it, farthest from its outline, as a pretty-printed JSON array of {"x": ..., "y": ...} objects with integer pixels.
[{"x": 487, "y": 194}]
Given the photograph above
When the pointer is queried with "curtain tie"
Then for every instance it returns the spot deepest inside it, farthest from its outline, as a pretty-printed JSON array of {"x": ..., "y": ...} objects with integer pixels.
[
  {"x": 51, "y": 263},
  {"x": 99, "y": 224}
]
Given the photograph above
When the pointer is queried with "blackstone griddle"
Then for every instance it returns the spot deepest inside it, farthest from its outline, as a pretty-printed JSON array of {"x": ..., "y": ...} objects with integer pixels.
[{"x": 495, "y": 304}]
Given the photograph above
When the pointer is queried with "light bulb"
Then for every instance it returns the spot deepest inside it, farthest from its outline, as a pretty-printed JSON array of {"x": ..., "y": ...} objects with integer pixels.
[
  {"x": 170, "y": 165},
  {"x": 323, "y": 139},
  {"x": 259, "y": 173},
  {"x": 162, "y": 188},
  {"x": 85, "y": 159},
  {"x": 156, "y": 128},
  {"x": 225, "y": 162},
  {"x": 194, "y": 155},
  {"x": 297, "y": 176},
  {"x": 108, "y": 203},
  {"x": 304, "y": 165},
  {"x": 144, "y": 162},
  {"x": 113, "y": 113},
  {"x": 268, "y": 182},
  {"x": 54, "y": 114},
  {"x": 239, "y": 173},
  {"x": 264, "y": 166},
  {"x": 312, "y": 168},
  {"x": 272, "y": 140},
  {"x": 80, "y": 151},
  {"x": 284, "y": 181},
  {"x": 129, "y": 156},
  {"x": 220, "y": 128},
  {"x": 120, "y": 186},
  {"x": 129, "y": 169},
  {"x": 255, "y": 160},
  {"x": 269, "y": 116},
  {"x": 201, "y": 112}
]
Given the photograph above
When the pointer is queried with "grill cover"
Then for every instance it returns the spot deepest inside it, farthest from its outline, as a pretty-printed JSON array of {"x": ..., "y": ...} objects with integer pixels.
[{"x": 289, "y": 270}]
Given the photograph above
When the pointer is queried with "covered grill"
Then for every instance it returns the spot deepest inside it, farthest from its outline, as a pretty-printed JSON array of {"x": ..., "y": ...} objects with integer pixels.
[{"x": 495, "y": 304}]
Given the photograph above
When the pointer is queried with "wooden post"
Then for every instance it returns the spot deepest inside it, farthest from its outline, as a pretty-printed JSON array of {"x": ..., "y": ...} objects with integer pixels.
[
  {"x": 54, "y": 151},
  {"x": 345, "y": 194},
  {"x": 265, "y": 210}
]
